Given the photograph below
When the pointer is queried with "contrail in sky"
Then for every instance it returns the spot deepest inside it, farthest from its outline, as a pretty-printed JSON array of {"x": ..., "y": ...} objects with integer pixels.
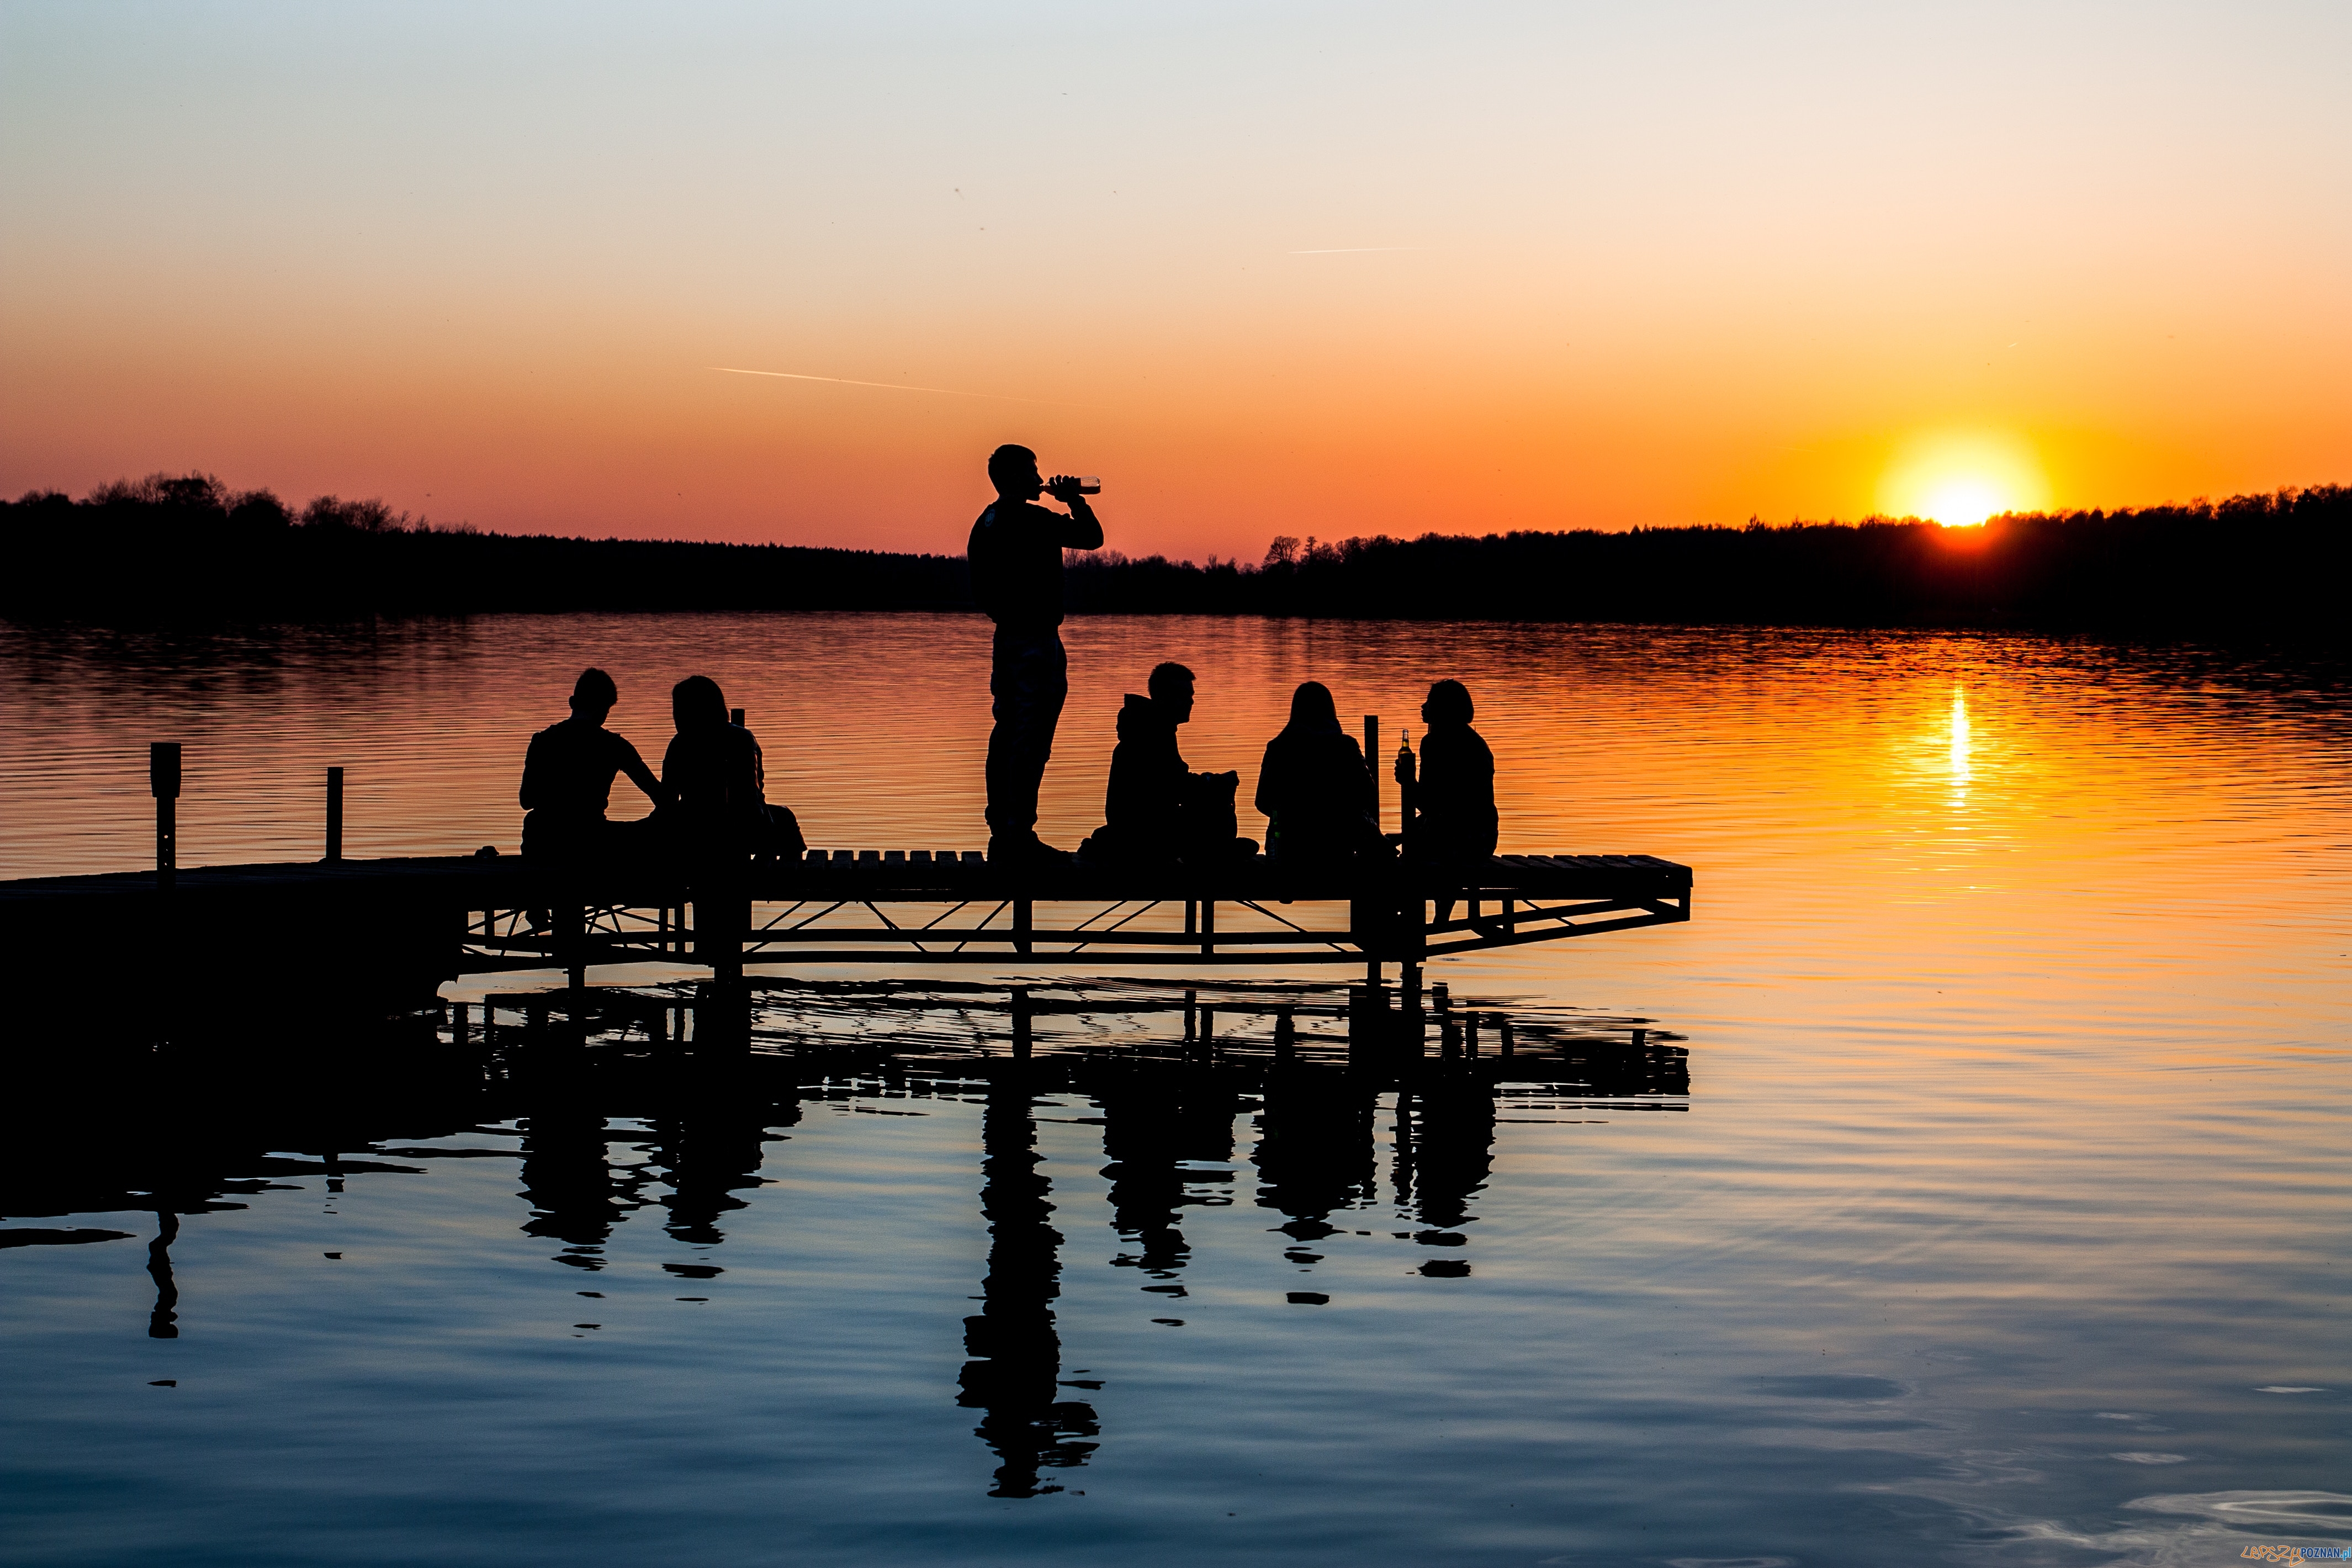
[
  {"x": 1352, "y": 250},
  {"x": 891, "y": 385}
]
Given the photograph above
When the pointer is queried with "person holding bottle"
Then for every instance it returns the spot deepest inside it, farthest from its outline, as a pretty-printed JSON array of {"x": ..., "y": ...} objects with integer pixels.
[
  {"x": 1448, "y": 803},
  {"x": 1016, "y": 552}
]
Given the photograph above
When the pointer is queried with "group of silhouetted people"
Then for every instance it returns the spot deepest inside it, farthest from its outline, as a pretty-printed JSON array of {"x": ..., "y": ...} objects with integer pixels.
[
  {"x": 710, "y": 803},
  {"x": 1315, "y": 788}
]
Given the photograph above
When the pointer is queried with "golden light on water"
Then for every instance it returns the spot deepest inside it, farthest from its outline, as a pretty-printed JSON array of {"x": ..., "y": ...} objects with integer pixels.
[
  {"x": 1960, "y": 745},
  {"x": 1961, "y": 478}
]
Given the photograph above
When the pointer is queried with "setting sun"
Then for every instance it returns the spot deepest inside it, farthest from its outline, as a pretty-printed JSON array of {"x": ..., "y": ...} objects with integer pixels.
[{"x": 1960, "y": 478}]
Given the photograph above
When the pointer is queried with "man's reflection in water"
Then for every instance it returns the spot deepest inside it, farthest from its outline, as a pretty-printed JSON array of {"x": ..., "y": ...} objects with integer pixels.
[
  {"x": 1313, "y": 1152},
  {"x": 570, "y": 1185},
  {"x": 163, "y": 1323},
  {"x": 1149, "y": 1126},
  {"x": 1016, "y": 1363}
]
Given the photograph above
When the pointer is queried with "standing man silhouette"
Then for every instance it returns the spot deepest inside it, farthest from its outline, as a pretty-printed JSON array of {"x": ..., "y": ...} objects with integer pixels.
[{"x": 1016, "y": 575}]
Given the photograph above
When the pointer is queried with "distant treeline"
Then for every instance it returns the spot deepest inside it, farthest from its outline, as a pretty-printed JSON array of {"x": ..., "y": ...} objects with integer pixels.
[{"x": 188, "y": 548}]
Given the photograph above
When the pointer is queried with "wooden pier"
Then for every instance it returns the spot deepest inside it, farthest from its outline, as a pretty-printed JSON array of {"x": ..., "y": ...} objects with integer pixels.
[
  {"x": 115, "y": 953},
  {"x": 387, "y": 933}
]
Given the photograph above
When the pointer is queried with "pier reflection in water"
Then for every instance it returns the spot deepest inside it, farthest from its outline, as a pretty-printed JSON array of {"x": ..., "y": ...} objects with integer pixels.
[{"x": 616, "y": 1102}]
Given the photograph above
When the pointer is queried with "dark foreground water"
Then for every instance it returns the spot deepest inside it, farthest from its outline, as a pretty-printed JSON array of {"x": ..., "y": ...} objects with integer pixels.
[{"x": 1996, "y": 1213}]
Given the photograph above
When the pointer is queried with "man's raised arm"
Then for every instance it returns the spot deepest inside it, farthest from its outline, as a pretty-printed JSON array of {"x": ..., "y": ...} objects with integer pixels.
[{"x": 1085, "y": 531}]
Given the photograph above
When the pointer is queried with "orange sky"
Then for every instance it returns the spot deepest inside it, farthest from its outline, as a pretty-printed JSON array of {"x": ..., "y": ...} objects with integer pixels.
[{"x": 1287, "y": 269}]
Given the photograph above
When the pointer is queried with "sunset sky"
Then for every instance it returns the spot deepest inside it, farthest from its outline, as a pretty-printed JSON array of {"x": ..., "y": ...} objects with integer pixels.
[{"x": 1268, "y": 268}]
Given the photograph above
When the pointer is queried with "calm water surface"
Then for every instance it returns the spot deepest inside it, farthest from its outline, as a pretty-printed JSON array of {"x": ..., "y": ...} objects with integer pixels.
[{"x": 2002, "y": 1219}]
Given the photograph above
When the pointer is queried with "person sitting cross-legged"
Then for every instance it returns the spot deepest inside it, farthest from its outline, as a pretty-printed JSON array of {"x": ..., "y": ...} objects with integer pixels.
[{"x": 1160, "y": 812}]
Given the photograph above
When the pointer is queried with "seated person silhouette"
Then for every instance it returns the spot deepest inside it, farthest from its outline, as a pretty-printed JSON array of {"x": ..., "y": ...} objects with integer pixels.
[
  {"x": 1160, "y": 812},
  {"x": 1449, "y": 809},
  {"x": 717, "y": 779},
  {"x": 1316, "y": 790},
  {"x": 567, "y": 778}
]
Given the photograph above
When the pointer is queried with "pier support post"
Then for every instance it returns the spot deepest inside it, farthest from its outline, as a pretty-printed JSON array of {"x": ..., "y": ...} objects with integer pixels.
[
  {"x": 163, "y": 782},
  {"x": 1021, "y": 916},
  {"x": 1021, "y": 1041},
  {"x": 1372, "y": 761},
  {"x": 334, "y": 814}
]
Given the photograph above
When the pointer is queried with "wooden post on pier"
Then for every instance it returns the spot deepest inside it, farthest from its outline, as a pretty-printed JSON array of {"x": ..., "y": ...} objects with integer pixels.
[
  {"x": 1372, "y": 762},
  {"x": 1208, "y": 928},
  {"x": 1021, "y": 1041},
  {"x": 163, "y": 782},
  {"x": 334, "y": 814}
]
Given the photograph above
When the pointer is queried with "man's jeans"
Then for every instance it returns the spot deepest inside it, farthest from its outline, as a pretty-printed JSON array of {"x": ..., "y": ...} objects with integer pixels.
[{"x": 1030, "y": 679}]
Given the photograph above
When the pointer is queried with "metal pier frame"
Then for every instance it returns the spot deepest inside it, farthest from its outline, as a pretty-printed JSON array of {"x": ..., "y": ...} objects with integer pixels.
[{"x": 914, "y": 907}]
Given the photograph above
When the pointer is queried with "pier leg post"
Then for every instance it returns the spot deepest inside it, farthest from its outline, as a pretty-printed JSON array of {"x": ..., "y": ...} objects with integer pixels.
[
  {"x": 1021, "y": 1041},
  {"x": 722, "y": 917},
  {"x": 1503, "y": 1027},
  {"x": 1286, "y": 1037},
  {"x": 1021, "y": 914},
  {"x": 163, "y": 782},
  {"x": 1208, "y": 928},
  {"x": 569, "y": 920},
  {"x": 334, "y": 815},
  {"x": 1192, "y": 1021}
]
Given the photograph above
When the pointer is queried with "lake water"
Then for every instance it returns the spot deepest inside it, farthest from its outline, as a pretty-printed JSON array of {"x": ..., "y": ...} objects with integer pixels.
[{"x": 2001, "y": 1217}]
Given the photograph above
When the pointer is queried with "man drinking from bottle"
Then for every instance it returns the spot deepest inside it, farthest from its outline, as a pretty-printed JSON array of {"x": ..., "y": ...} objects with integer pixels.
[{"x": 1016, "y": 575}]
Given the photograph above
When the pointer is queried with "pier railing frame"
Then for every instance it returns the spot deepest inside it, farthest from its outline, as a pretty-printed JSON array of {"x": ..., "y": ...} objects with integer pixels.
[{"x": 902, "y": 909}]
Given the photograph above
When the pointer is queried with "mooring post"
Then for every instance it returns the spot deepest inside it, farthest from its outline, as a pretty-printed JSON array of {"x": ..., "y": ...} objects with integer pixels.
[
  {"x": 164, "y": 782},
  {"x": 334, "y": 814}
]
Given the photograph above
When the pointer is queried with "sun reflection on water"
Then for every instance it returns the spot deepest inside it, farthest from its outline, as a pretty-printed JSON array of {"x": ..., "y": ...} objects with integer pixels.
[{"x": 1961, "y": 771}]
